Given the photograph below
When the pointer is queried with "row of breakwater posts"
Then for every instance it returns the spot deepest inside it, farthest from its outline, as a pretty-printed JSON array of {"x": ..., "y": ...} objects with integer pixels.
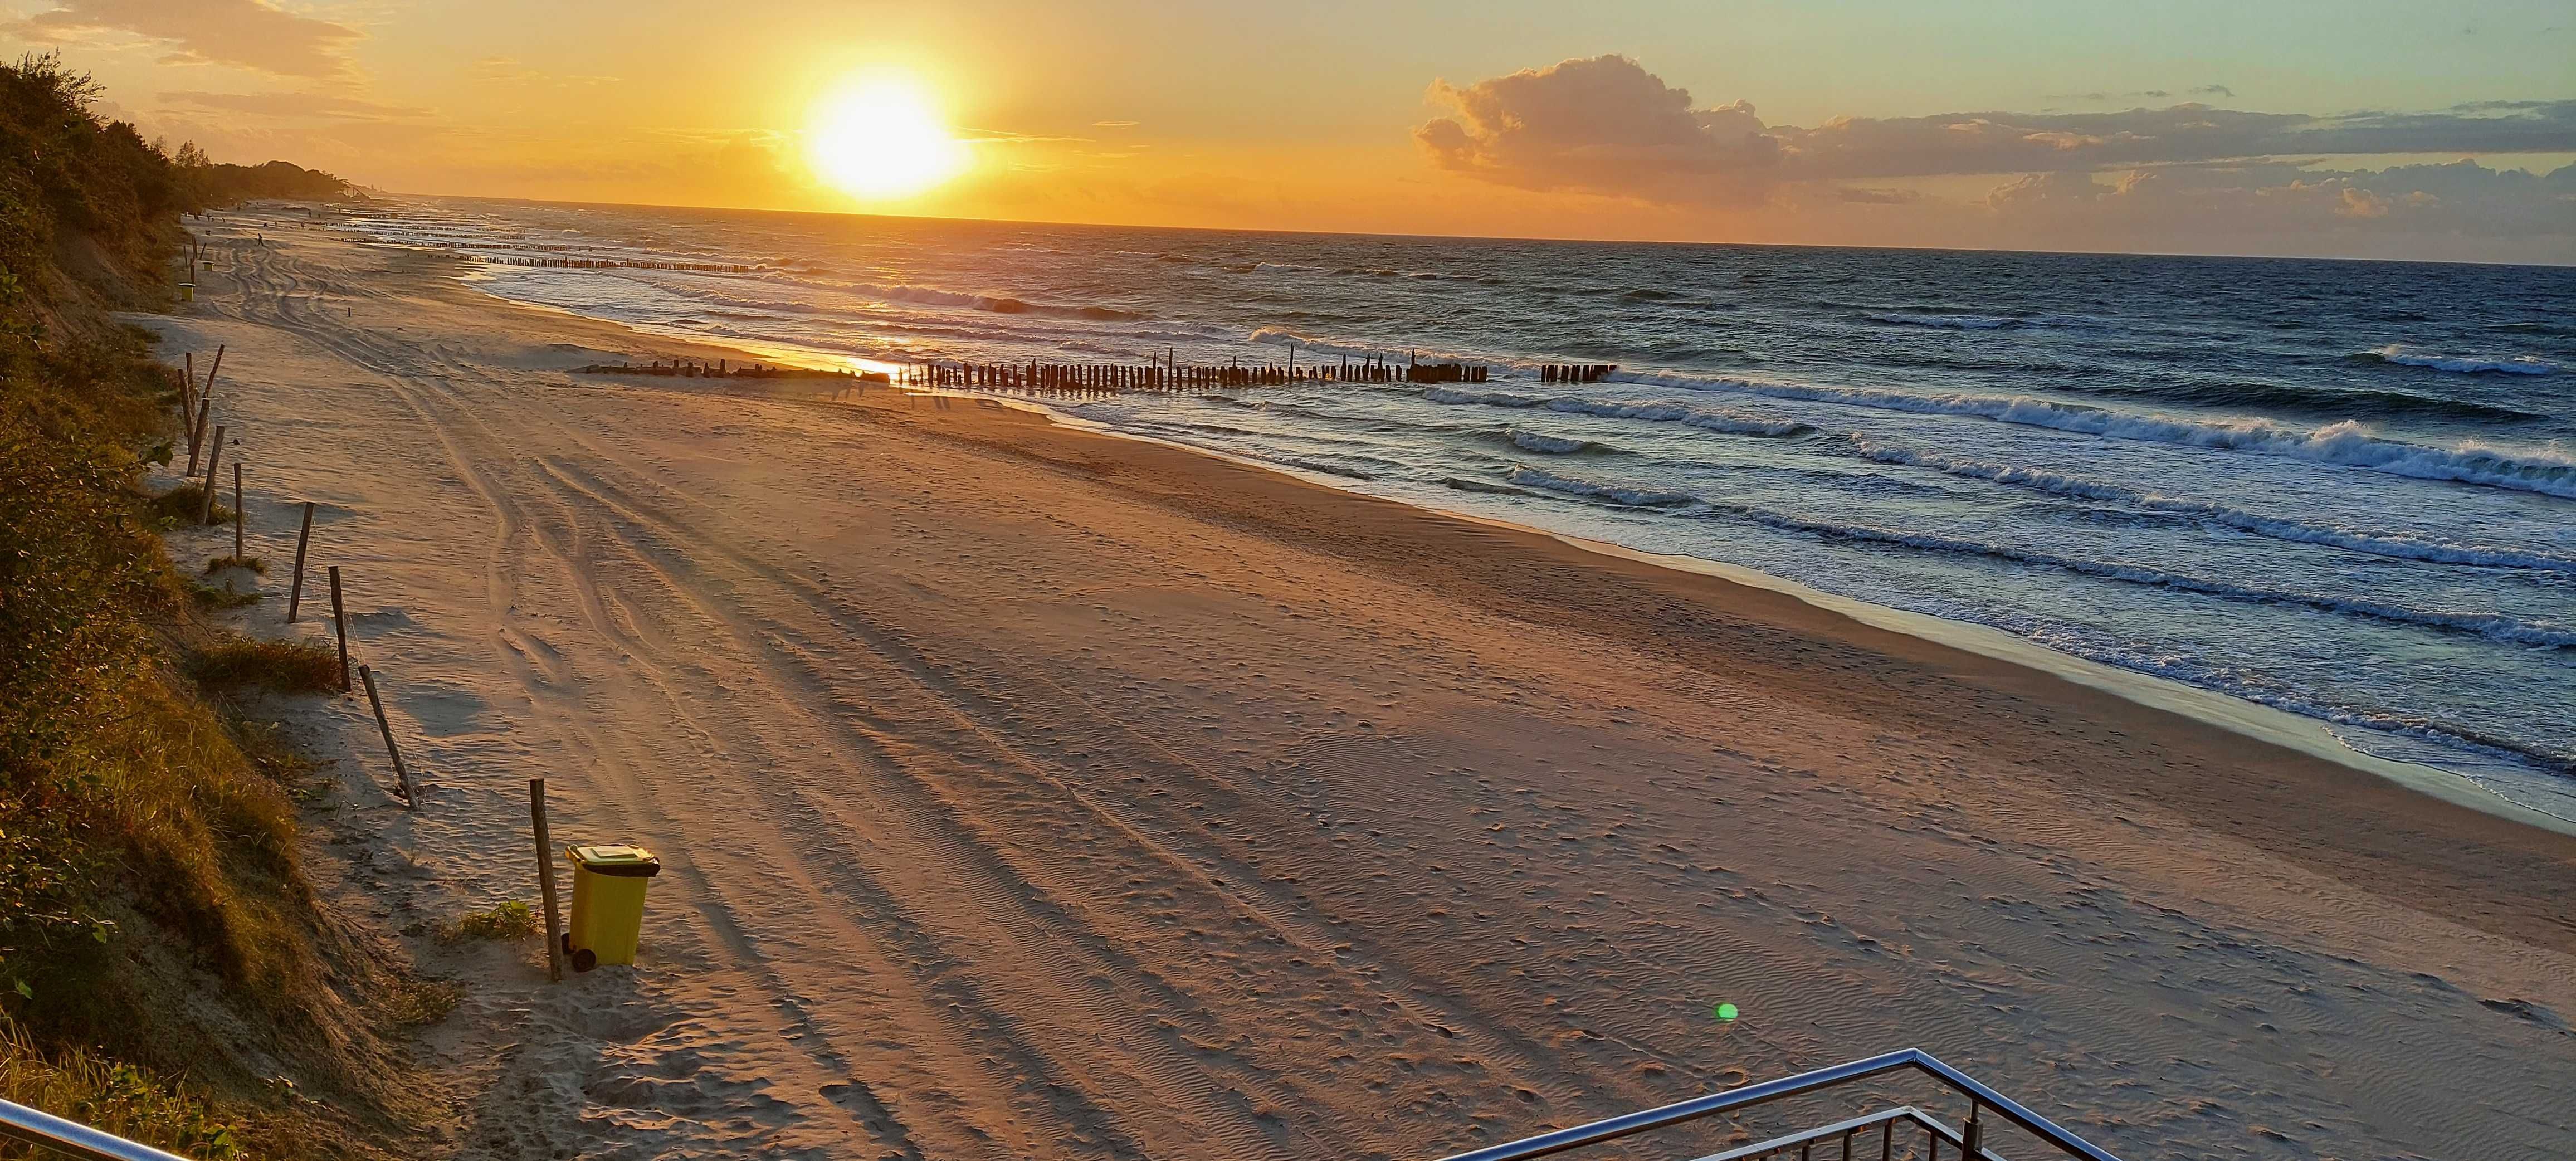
[
  {"x": 1117, "y": 378},
  {"x": 1036, "y": 378},
  {"x": 728, "y": 369}
]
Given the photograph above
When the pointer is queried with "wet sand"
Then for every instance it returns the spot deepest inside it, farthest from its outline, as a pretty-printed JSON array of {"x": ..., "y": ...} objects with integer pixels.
[{"x": 1030, "y": 792}]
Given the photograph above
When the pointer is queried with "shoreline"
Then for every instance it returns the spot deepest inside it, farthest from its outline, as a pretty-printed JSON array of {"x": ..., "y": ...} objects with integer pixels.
[{"x": 2212, "y": 707}]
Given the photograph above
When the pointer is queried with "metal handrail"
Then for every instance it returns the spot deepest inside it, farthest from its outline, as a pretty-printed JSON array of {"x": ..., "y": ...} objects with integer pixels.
[
  {"x": 1821, "y": 1132},
  {"x": 1627, "y": 1124},
  {"x": 45, "y": 1130}
]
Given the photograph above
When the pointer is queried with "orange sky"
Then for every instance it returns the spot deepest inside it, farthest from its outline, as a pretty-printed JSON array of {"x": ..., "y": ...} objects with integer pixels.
[{"x": 1869, "y": 121}]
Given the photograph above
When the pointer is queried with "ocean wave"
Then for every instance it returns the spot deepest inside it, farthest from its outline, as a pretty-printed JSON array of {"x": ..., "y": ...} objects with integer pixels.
[
  {"x": 1957, "y": 322},
  {"x": 2326, "y": 400},
  {"x": 1615, "y": 493},
  {"x": 1723, "y": 422},
  {"x": 2547, "y": 471},
  {"x": 2515, "y": 365},
  {"x": 2392, "y": 545},
  {"x": 1329, "y": 469},
  {"x": 993, "y": 303},
  {"x": 2493, "y": 626},
  {"x": 1555, "y": 445},
  {"x": 1467, "y": 485}
]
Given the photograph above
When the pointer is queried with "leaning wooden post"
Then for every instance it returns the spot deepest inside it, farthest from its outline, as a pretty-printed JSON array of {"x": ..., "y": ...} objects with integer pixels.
[
  {"x": 340, "y": 621},
  {"x": 546, "y": 878},
  {"x": 295, "y": 588},
  {"x": 241, "y": 514},
  {"x": 211, "y": 371},
  {"x": 402, "y": 773},
  {"x": 214, "y": 455},
  {"x": 195, "y": 423}
]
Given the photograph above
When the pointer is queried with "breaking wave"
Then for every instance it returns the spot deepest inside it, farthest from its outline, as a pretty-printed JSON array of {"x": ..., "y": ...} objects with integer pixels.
[
  {"x": 2493, "y": 626},
  {"x": 2547, "y": 471},
  {"x": 1725, "y": 422},
  {"x": 2516, "y": 365}
]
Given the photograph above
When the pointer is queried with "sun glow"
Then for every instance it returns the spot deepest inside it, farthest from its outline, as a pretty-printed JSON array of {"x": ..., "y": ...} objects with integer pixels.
[{"x": 882, "y": 138}]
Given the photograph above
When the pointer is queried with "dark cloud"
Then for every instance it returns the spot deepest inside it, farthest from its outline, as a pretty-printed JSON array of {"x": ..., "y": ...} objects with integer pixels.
[
  {"x": 249, "y": 33},
  {"x": 1607, "y": 125}
]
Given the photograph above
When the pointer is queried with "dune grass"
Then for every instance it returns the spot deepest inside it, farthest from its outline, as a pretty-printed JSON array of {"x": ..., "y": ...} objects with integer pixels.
[
  {"x": 180, "y": 506},
  {"x": 509, "y": 920},
  {"x": 218, "y": 597},
  {"x": 232, "y": 662}
]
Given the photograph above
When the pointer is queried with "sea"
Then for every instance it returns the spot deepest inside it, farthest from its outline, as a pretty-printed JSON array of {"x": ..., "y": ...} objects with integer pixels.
[{"x": 2343, "y": 489}]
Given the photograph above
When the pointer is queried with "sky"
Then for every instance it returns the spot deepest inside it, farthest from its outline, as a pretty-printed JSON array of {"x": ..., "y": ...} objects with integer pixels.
[{"x": 2352, "y": 129}]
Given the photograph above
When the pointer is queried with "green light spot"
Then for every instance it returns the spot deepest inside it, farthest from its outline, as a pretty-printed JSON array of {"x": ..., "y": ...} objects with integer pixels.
[{"x": 1726, "y": 1012}]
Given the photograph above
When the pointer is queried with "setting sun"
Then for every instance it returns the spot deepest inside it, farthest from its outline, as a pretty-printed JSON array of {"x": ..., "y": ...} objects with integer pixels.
[{"x": 882, "y": 138}]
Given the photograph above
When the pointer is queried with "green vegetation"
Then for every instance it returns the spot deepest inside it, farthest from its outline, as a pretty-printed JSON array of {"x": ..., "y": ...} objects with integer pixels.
[
  {"x": 510, "y": 920},
  {"x": 283, "y": 666},
  {"x": 154, "y": 918},
  {"x": 181, "y": 506},
  {"x": 252, "y": 563},
  {"x": 120, "y": 1098}
]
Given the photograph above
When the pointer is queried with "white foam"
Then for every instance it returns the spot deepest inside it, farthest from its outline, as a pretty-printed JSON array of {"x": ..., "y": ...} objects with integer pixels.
[
  {"x": 2548, "y": 471},
  {"x": 2515, "y": 365},
  {"x": 2375, "y": 543}
]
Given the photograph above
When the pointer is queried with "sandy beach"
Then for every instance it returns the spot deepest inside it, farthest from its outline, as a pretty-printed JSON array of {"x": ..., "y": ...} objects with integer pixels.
[{"x": 1029, "y": 792}]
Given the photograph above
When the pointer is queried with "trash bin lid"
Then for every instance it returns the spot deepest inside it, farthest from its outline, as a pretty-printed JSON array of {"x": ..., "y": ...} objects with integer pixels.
[{"x": 617, "y": 859}]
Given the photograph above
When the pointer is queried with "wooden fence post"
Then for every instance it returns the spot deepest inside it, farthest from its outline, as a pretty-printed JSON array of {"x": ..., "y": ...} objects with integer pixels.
[
  {"x": 195, "y": 423},
  {"x": 546, "y": 878},
  {"x": 241, "y": 513},
  {"x": 214, "y": 455},
  {"x": 295, "y": 588},
  {"x": 340, "y": 621},
  {"x": 402, "y": 773}
]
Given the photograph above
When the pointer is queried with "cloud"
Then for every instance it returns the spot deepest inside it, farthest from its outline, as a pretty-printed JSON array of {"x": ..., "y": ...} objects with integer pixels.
[
  {"x": 309, "y": 106},
  {"x": 1606, "y": 125},
  {"x": 249, "y": 33},
  {"x": 2181, "y": 207},
  {"x": 1603, "y": 125},
  {"x": 1112, "y": 124}
]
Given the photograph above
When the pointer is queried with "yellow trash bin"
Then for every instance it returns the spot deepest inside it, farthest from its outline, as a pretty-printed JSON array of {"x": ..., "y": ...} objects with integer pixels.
[{"x": 607, "y": 903}]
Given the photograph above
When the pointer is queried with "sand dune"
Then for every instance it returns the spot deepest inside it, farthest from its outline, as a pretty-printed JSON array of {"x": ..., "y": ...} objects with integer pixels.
[{"x": 1029, "y": 793}]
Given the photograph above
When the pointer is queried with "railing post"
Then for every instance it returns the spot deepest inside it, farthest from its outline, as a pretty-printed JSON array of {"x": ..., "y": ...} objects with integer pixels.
[{"x": 1972, "y": 1136}]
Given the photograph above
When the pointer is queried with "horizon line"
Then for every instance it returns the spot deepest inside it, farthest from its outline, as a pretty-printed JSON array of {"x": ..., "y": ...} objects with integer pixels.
[{"x": 1570, "y": 241}]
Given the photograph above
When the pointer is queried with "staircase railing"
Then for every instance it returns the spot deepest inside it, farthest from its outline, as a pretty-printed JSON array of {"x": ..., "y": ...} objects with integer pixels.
[
  {"x": 45, "y": 1130},
  {"x": 1968, "y": 1140}
]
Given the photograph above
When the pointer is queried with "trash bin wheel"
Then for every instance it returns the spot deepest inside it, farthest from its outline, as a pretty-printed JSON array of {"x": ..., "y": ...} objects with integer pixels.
[{"x": 584, "y": 959}]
